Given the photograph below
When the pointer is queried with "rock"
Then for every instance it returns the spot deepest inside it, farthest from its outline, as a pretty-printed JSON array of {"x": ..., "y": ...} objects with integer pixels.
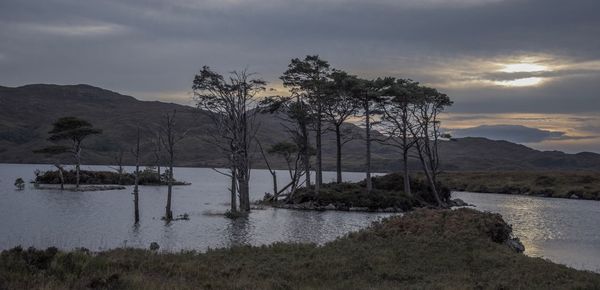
[
  {"x": 574, "y": 196},
  {"x": 515, "y": 244},
  {"x": 459, "y": 202},
  {"x": 330, "y": 207},
  {"x": 389, "y": 209},
  {"x": 154, "y": 246},
  {"x": 358, "y": 209}
]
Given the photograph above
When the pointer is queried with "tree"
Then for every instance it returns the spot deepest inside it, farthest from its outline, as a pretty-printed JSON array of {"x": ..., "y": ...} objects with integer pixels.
[
  {"x": 171, "y": 136},
  {"x": 307, "y": 78},
  {"x": 426, "y": 111},
  {"x": 295, "y": 117},
  {"x": 341, "y": 102},
  {"x": 136, "y": 193},
  {"x": 20, "y": 183},
  {"x": 157, "y": 142},
  {"x": 369, "y": 95},
  {"x": 398, "y": 122},
  {"x": 56, "y": 150},
  {"x": 232, "y": 103},
  {"x": 75, "y": 130}
]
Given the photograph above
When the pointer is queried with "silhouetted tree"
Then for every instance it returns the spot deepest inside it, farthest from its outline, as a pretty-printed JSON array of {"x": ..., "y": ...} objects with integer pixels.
[
  {"x": 341, "y": 102},
  {"x": 307, "y": 78},
  {"x": 232, "y": 103},
  {"x": 70, "y": 129},
  {"x": 426, "y": 111},
  {"x": 398, "y": 121}
]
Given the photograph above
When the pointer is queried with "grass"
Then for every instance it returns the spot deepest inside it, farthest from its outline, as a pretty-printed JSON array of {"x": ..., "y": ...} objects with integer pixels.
[
  {"x": 584, "y": 185},
  {"x": 443, "y": 249}
]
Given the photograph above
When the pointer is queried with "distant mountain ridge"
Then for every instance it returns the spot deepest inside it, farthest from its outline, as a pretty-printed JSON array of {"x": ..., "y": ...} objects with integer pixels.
[{"x": 27, "y": 113}]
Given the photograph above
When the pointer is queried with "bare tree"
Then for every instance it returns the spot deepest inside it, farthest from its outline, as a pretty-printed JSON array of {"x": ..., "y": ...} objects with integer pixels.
[
  {"x": 157, "y": 151},
  {"x": 232, "y": 103},
  {"x": 118, "y": 158},
  {"x": 171, "y": 136},
  {"x": 136, "y": 193}
]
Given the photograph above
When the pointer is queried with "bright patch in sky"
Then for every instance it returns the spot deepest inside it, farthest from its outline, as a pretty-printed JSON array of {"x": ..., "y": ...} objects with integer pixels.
[
  {"x": 523, "y": 67},
  {"x": 525, "y": 82}
]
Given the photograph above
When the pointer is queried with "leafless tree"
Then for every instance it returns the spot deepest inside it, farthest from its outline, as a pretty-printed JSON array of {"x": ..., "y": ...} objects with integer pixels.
[
  {"x": 136, "y": 194},
  {"x": 171, "y": 136},
  {"x": 118, "y": 158},
  {"x": 232, "y": 104}
]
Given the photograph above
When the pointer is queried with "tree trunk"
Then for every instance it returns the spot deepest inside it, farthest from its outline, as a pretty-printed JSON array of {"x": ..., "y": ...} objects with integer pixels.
[
  {"x": 319, "y": 175},
  {"x": 338, "y": 155},
  {"x": 430, "y": 180},
  {"x": 407, "y": 189},
  {"x": 368, "y": 141},
  {"x": 61, "y": 176},
  {"x": 306, "y": 154},
  {"x": 169, "y": 213},
  {"x": 136, "y": 196},
  {"x": 244, "y": 195},
  {"x": 158, "y": 172},
  {"x": 78, "y": 160},
  {"x": 275, "y": 191},
  {"x": 233, "y": 192}
]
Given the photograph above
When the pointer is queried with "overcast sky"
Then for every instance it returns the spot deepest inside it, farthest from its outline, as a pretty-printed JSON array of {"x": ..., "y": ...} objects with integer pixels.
[{"x": 523, "y": 70}]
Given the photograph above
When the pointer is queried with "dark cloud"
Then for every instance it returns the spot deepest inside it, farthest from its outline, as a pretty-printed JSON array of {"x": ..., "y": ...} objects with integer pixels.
[
  {"x": 513, "y": 133},
  {"x": 152, "y": 48}
]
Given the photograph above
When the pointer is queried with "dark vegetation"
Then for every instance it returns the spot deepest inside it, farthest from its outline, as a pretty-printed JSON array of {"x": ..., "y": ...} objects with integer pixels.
[
  {"x": 583, "y": 185},
  {"x": 425, "y": 249},
  {"x": 387, "y": 194},
  {"x": 147, "y": 176}
]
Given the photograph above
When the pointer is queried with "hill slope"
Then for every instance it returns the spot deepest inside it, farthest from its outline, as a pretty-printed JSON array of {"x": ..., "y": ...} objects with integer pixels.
[{"x": 28, "y": 112}]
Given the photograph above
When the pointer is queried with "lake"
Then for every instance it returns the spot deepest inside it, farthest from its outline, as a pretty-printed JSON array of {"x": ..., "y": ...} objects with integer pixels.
[{"x": 564, "y": 231}]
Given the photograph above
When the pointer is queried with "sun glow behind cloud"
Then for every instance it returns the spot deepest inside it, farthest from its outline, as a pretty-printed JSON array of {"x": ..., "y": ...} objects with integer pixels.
[{"x": 524, "y": 82}]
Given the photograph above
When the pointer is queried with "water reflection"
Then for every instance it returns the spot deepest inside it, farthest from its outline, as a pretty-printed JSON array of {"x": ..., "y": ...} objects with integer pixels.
[{"x": 562, "y": 230}]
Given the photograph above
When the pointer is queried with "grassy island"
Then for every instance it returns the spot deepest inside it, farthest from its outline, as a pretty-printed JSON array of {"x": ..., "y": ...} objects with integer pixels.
[
  {"x": 445, "y": 249},
  {"x": 147, "y": 177},
  {"x": 387, "y": 195}
]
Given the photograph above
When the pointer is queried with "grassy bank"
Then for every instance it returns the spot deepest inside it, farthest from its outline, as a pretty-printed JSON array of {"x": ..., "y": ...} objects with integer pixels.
[
  {"x": 458, "y": 249},
  {"x": 584, "y": 185}
]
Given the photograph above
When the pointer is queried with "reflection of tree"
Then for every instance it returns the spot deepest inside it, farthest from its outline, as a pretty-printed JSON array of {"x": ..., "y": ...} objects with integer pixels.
[{"x": 238, "y": 232}]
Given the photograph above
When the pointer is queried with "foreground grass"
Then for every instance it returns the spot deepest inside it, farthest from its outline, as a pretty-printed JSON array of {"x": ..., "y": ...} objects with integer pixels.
[
  {"x": 461, "y": 249},
  {"x": 584, "y": 185}
]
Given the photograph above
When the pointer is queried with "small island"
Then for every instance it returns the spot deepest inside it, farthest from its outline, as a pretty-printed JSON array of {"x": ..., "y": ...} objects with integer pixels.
[
  {"x": 148, "y": 176},
  {"x": 387, "y": 195}
]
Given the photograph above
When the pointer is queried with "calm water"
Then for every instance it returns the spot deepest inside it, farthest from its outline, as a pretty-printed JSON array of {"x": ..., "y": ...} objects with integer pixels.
[
  {"x": 564, "y": 231},
  {"x": 104, "y": 219}
]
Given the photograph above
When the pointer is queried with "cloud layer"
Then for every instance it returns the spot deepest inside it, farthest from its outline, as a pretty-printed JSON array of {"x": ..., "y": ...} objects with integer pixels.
[{"x": 151, "y": 49}]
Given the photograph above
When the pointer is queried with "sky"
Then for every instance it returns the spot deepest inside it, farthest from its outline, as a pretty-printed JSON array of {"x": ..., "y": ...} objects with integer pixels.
[{"x": 526, "y": 71}]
